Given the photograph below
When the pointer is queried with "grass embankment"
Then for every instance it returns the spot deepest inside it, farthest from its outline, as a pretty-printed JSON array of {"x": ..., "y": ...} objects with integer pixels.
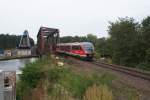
[{"x": 46, "y": 79}]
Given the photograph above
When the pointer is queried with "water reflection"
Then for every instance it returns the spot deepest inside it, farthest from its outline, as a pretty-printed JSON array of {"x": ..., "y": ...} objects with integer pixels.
[{"x": 15, "y": 65}]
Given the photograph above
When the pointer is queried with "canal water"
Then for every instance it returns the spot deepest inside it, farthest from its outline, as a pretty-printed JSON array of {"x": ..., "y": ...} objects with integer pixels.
[{"x": 15, "y": 64}]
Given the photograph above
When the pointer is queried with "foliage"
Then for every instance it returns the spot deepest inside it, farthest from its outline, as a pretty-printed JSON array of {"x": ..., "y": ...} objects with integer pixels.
[
  {"x": 103, "y": 47},
  {"x": 19, "y": 92},
  {"x": 98, "y": 93},
  {"x": 92, "y": 38},
  {"x": 144, "y": 66},
  {"x": 72, "y": 83},
  {"x": 11, "y": 41},
  {"x": 60, "y": 93},
  {"x": 146, "y": 37},
  {"x": 89, "y": 38},
  {"x": 124, "y": 34},
  {"x": 31, "y": 75},
  {"x": 130, "y": 42},
  {"x": 76, "y": 84},
  {"x": 59, "y": 82}
]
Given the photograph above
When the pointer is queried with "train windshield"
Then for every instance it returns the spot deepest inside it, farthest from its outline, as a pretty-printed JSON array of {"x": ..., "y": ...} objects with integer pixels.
[{"x": 88, "y": 47}]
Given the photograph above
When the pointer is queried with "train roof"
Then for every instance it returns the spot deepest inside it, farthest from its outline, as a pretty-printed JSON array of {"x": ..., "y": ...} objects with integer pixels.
[
  {"x": 84, "y": 43},
  {"x": 76, "y": 43}
]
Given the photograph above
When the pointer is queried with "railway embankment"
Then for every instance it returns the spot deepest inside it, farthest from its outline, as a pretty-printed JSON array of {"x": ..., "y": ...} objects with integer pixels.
[
  {"x": 63, "y": 79},
  {"x": 125, "y": 86}
]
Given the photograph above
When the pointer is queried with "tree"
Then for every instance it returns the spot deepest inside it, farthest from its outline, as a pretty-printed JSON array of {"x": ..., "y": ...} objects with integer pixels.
[
  {"x": 92, "y": 38},
  {"x": 103, "y": 47},
  {"x": 124, "y": 34},
  {"x": 88, "y": 38},
  {"x": 146, "y": 37},
  {"x": 11, "y": 41},
  {"x": 66, "y": 39}
]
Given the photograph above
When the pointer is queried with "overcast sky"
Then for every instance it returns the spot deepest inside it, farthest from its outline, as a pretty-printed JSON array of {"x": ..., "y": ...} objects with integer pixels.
[{"x": 71, "y": 17}]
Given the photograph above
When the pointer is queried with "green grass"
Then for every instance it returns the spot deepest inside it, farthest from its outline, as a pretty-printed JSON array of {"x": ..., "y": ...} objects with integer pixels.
[
  {"x": 60, "y": 82},
  {"x": 75, "y": 83}
]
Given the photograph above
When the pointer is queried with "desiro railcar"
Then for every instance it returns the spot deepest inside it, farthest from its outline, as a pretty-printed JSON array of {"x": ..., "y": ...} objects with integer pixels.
[{"x": 80, "y": 49}]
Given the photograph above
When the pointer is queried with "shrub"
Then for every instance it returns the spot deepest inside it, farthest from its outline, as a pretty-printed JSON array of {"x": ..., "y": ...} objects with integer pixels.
[
  {"x": 98, "y": 93},
  {"x": 60, "y": 93},
  {"x": 76, "y": 84},
  {"x": 144, "y": 66},
  {"x": 57, "y": 82},
  {"x": 31, "y": 75},
  {"x": 97, "y": 55}
]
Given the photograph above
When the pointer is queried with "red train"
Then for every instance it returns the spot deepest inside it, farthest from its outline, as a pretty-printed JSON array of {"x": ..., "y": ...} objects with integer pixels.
[{"x": 80, "y": 49}]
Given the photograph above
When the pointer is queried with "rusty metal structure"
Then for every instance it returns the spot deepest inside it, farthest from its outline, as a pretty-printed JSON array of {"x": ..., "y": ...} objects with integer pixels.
[{"x": 47, "y": 40}]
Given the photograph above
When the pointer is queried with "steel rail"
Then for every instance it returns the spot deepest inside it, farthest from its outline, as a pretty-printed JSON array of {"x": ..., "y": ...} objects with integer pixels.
[{"x": 130, "y": 71}]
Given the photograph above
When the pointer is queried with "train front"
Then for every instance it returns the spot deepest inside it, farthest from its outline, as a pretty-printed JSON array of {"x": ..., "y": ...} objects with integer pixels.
[{"x": 88, "y": 49}]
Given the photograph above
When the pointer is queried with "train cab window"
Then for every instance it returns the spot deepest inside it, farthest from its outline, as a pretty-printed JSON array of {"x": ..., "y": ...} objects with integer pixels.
[
  {"x": 76, "y": 48},
  {"x": 88, "y": 47}
]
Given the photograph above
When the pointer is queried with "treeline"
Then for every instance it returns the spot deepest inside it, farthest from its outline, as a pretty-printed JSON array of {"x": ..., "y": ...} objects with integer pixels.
[
  {"x": 128, "y": 43},
  {"x": 11, "y": 41},
  {"x": 88, "y": 38}
]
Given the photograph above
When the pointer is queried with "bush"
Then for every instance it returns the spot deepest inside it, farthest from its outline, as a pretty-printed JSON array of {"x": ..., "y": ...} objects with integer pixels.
[
  {"x": 31, "y": 75},
  {"x": 97, "y": 55},
  {"x": 98, "y": 93},
  {"x": 60, "y": 93},
  {"x": 76, "y": 84},
  {"x": 144, "y": 66},
  {"x": 54, "y": 80}
]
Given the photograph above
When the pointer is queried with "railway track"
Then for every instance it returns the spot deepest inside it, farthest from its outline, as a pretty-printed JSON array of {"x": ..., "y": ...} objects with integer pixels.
[
  {"x": 122, "y": 69},
  {"x": 130, "y": 71}
]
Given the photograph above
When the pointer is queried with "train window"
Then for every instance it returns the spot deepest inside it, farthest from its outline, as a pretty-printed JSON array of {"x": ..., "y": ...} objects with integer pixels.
[
  {"x": 76, "y": 47},
  {"x": 88, "y": 47}
]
